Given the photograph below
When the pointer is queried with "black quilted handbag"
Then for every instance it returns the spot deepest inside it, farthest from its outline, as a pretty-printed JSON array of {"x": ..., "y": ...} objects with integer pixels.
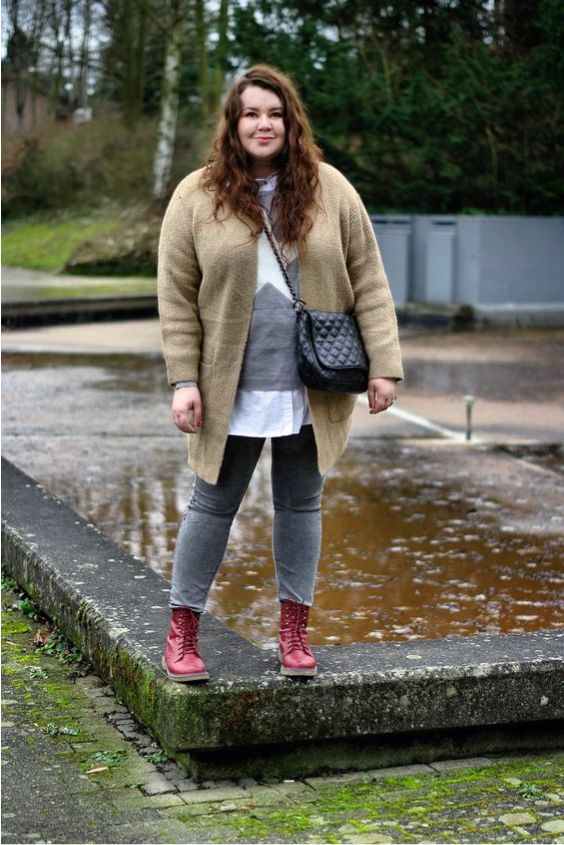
[{"x": 331, "y": 354}]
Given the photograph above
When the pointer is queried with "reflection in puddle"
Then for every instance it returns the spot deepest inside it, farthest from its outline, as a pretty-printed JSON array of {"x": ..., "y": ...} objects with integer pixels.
[{"x": 406, "y": 555}]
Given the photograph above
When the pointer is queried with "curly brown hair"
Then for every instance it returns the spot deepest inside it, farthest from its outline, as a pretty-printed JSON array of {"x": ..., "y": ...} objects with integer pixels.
[{"x": 227, "y": 171}]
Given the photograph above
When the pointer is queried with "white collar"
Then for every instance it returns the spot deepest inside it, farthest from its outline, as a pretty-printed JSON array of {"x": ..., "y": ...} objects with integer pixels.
[{"x": 267, "y": 183}]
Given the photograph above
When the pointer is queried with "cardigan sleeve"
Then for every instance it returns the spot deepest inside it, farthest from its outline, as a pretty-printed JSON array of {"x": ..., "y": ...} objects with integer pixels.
[
  {"x": 178, "y": 282},
  {"x": 374, "y": 306}
]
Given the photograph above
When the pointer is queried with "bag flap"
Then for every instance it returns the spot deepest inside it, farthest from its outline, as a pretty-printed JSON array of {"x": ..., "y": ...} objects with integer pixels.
[{"x": 336, "y": 340}]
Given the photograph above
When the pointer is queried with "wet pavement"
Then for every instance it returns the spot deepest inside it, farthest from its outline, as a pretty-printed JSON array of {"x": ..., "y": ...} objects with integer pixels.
[
  {"x": 515, "y": 376},
  {"x": 424, "y": 535}
]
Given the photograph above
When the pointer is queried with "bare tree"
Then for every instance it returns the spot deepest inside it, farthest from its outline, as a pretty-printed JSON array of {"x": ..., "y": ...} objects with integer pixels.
[
  {"x": 56, "y": 69},
  {"x": 126, "y": 27},
  {"x": 220, "y": 69},
  {"x": 23, "y": 22},
  {"x": 84, "y": 54},
  {"x": 202, "y": 52},
  {"x": 169, "y": 102}
]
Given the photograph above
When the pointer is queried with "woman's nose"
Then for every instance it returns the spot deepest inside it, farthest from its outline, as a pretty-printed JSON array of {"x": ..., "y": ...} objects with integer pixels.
[{"x": 264, "y": 121}]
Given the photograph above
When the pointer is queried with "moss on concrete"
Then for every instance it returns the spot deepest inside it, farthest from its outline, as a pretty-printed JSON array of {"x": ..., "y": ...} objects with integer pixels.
[
  {"x": 465, "y": 805},
  {"x": 470, "y": 805}
]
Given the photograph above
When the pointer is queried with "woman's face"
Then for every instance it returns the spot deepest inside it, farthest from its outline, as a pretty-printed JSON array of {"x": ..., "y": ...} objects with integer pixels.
[{"x": 261, "y": 129}]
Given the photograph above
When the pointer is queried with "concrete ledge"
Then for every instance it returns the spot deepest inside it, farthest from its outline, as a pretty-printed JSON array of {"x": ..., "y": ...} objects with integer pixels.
[
  {"x": 49, "y": 312},
  {"x": 370, "y": 705},
  {"x": 421, "y": 315},
  {"x": 520, "y": 315},
  {"x": 435, "y": 316}
]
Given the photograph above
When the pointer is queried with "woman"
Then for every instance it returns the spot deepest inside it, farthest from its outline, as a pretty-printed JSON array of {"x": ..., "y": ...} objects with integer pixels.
[{"x": 228, "y": 331}]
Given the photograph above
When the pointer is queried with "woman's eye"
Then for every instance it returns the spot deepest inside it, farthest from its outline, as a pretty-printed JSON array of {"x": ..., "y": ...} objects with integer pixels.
[{"x": 276, "y": 114}]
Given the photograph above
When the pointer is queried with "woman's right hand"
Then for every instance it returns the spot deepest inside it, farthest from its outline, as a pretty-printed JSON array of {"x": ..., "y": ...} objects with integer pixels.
[{"x": 187, "y": 409}]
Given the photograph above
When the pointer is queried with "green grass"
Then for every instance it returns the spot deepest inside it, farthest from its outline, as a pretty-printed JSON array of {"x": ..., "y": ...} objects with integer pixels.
[{"x": 40, "y": 243}]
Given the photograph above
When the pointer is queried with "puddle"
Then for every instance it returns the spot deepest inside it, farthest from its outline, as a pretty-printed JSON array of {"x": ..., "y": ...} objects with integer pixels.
[{"x": 417, "y": 543}]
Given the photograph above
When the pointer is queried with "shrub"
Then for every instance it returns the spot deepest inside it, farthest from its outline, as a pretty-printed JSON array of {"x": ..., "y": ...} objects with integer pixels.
[
  {"x": 81, "y": 166},
  {"x": 70, "y": 166}
]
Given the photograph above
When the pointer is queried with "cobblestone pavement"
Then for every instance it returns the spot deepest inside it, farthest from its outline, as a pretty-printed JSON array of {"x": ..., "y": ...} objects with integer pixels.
[{"x": 78, "y": 768}]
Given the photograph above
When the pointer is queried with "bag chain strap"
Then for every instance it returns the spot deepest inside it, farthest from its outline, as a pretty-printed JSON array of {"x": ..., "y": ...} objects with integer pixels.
[{"x": 299, "y": 304}]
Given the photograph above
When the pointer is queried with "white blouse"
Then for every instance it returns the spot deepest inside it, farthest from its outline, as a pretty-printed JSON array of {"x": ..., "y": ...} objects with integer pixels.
[{"x": 269, "y": 413}]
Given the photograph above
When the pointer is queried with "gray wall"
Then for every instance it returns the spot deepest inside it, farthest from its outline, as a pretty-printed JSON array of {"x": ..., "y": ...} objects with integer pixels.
[{"x": 477, "y": 260}]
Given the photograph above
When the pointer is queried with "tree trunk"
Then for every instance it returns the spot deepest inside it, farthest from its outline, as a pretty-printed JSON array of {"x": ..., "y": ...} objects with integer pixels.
[
  {"x": 56, "y": 70},
  {"x": 169, "y": 104},
  {"x": 133, "y": 36},
  {"x": 83, "y": 69},
  {"x": 40, "y": 16},
  {"x": 202, "y": 52},
  {"x": 140, "y": 53},
  {"x": 498, "y": 19},
  {"x": 221, "y": 63},
  {"x": 69, "y": 66},
  {"x": 127, "y": 27}
]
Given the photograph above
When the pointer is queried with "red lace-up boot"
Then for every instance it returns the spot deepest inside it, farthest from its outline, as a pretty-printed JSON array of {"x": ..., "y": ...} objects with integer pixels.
[
  {"x": 181, "y": 659},
  {"x": 296, "y": 655}
]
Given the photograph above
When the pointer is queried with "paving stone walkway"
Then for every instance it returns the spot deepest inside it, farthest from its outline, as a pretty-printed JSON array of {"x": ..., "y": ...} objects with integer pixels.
[{"x": 78, "y": 768}]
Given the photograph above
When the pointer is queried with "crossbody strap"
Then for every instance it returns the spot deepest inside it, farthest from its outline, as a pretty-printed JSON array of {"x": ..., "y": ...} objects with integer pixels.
[{"x": 298, "y": 303}]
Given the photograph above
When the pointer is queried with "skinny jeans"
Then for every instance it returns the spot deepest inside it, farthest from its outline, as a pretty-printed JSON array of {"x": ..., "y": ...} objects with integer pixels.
[{"x": 296, "y": 536}]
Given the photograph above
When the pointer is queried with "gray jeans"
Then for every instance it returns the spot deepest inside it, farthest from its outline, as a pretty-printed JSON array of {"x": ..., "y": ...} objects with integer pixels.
[{"x": 296, "y": 537}]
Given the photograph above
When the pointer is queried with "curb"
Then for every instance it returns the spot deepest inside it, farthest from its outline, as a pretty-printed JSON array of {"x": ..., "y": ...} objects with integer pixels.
[
  {"x": 46, "y": 312},
  {"x": 18, "y": 315}
]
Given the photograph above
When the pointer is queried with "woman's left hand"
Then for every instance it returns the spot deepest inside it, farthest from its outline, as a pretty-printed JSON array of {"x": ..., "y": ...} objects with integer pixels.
[{"x": 382, "y": 393}]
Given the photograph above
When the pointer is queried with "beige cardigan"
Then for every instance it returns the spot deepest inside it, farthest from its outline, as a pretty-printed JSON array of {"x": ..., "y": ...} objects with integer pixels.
[{"x": 206, "y": 284}]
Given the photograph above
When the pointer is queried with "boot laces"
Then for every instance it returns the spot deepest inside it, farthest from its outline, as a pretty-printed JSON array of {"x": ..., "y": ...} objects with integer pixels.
[
  {"x": 188, "y": 629},
  {"x": 294, "y": 626}
]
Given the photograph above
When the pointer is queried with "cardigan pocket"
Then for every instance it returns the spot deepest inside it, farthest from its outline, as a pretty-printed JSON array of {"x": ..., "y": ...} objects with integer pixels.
[{"x": 341, "y": 405}]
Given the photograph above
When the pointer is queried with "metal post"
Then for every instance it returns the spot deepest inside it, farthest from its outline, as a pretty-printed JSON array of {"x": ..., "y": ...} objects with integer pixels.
[{"x": 469, "y": 400}]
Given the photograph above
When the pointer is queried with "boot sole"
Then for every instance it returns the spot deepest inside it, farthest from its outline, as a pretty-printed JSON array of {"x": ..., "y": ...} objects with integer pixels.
[
  {"x": 308, "y": 673},
  {"x": 195, "y": 676}
]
